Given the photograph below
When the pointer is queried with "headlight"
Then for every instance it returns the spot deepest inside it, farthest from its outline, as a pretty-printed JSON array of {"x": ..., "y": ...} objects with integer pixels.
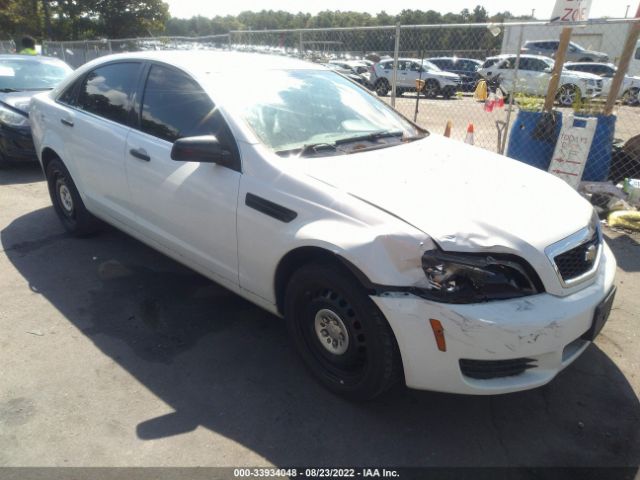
[
  {"x": 11, "y": 118},
  {"x": 592, "y": 82},
  {"x": 472, "y": 278}
]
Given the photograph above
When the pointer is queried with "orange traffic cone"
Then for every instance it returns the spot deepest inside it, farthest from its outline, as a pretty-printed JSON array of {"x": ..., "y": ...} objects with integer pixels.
[
  {"x": 447, "y": 129},
  {"x": 469, "y": 138}
]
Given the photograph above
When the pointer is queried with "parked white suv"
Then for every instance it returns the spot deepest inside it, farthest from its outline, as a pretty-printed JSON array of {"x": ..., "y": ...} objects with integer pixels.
[
  {"x": 534, "y": 74},
  {"x": 437, "y": 81},
  {"x": 629, "y": 91},
  {"x": 315, "y": 200}
]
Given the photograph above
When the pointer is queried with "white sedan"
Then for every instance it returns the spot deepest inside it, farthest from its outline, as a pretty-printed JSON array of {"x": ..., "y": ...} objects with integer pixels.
[{"x": 393, "y": 254}]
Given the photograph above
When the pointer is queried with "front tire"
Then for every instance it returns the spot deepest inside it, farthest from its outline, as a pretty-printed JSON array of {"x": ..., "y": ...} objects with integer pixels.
[
  {"x": 567, "y": 95},
  {"x": 431, "y": 88},
  {"x": 631, "y": 97},
  {"x": 341, "y": 335},
  {"x": 67, "y": 203},
  {"x": 382, "y": 88}
]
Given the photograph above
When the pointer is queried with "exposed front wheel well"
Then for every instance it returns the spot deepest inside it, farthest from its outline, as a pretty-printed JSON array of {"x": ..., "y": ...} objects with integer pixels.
[
  {"x": 47, "y": 155},
  {"x": 301, "y": 256}
]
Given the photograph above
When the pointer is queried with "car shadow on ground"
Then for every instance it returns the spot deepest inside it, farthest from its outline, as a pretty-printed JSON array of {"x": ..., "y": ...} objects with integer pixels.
[
  {"x": 626, "y": 250},
  {"x": 223, "y": 364},
  {"x": 19, "y": 173}
]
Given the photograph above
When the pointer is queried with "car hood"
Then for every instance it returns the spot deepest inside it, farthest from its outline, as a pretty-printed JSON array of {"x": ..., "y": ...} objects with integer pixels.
[
  {"x": 581, "y": 75},
  {"x": 444, "y": 74},
  {"x": 464, "y": 197},
  {"x": 19, "y": 100}
]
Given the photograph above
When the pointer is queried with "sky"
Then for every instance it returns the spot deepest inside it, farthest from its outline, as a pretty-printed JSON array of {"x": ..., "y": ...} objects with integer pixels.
[{"x": 189, "y": 8}]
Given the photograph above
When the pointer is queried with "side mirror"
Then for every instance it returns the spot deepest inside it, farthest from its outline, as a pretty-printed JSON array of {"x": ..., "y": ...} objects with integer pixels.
[
  {"x": 547, "y": 70},
  {"x": 204, "y": 149}
]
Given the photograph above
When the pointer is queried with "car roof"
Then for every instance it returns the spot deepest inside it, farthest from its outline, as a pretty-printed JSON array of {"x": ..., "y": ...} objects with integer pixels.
[
  {"x": 208, "y": 61},
  {"x": 455, "y": 59},
  {"x": 522, "y": 55}
]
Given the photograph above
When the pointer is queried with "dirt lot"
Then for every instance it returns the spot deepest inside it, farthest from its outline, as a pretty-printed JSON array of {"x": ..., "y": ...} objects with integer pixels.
[
  {"x": 113, "y": 355},
  {"x": 434, "y": 113}
]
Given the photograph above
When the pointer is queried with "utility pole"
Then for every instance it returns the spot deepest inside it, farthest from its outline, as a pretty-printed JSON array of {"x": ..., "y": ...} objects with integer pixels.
[{"x": 533, "y": 13}]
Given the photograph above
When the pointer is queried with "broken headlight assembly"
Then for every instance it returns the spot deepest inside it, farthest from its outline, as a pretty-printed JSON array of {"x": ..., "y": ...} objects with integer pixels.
[{"x": 473, "y": 278}]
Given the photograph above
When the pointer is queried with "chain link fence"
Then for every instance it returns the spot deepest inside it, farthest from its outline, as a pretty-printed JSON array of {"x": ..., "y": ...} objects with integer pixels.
[{"x": 481, "y": 83}]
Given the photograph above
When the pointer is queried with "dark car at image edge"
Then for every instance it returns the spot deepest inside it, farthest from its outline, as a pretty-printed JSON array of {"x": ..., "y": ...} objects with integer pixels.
[{"x": 22, "y": 77}]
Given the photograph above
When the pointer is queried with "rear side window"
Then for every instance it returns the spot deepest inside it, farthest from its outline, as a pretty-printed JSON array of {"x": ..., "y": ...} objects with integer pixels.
[
  {"x": 174, "y": 106},
  {"x": 106, "y": 91}
]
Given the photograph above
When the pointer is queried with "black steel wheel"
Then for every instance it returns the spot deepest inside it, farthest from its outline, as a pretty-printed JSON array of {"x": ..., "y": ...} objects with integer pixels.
[{"x": 339, "y": 332}]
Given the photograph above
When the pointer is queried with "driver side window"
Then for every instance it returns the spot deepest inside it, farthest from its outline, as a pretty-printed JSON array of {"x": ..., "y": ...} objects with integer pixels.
[{"x": 174, "y": 106}]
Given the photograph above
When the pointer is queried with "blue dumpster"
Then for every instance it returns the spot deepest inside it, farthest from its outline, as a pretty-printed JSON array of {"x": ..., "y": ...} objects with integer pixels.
[
  {"x": 523, "y": 144},
  {"x": 538, "y": 152},
  {"x": 599, "y": 159}
]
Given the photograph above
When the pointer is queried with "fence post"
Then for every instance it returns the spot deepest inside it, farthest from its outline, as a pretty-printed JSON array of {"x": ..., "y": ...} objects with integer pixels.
[
  {"x": 86, "y": 51},
  {"x": 513, "y": 91},
  {"x": 64, "y": 54},
  {"x": 301, "y": 46},
  {"x": 109, "y": 44},
  {"x": 623, "y": 65},
  {"x": 394, "y": 78},
  {"x": 229, "y": 41}
]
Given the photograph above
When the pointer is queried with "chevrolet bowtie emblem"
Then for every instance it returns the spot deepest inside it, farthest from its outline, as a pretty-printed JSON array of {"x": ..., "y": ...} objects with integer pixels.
[{"x": 590, "y": 254}]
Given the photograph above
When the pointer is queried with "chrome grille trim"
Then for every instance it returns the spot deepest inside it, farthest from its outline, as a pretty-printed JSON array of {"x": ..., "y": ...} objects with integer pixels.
[{"x": 581, "y": 237}]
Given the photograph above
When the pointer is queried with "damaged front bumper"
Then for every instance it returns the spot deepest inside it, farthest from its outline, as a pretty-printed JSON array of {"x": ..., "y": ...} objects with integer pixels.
[{"x": 494, "y": 347}]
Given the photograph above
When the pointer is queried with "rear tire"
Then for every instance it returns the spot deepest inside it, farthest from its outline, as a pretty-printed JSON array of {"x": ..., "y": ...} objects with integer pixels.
[
  {"x": 341, "y": 335},
  {"x": 67, "y": 202}
]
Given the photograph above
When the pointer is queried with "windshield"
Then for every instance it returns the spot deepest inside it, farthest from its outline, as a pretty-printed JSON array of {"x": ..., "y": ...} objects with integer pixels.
[
  {"x": 31, "y": 73},
  {"x": 297, "y": 109},
  {"x": 427, "y": 65},
  {"x": 576, "y": 47}
]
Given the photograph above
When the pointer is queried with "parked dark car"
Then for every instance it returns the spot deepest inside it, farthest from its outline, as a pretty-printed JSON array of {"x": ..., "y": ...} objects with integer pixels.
[
  {"x": 22, "y": 77},
  {"x": 466, "y": 68}
]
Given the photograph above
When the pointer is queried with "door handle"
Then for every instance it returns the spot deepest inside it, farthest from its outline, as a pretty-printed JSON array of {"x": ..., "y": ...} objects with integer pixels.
[
  {"x": 66, "y": 122},
  {"x": 140, "y": 154}
]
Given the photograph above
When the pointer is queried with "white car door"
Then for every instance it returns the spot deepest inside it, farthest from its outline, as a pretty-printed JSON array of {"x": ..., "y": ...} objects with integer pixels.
[
  {"x": 187, "y": 207},
  {"x": 98, "y": 127}
]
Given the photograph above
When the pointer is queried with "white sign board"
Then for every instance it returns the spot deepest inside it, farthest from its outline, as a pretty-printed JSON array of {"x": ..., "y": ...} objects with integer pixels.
[
  {"x": 570, "y": 156},
  {"x": 571, "y": 11}
]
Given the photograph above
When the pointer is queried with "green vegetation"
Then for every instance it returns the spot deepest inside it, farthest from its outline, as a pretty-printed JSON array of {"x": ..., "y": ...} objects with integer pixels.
[{"x": 92, "y": 19}]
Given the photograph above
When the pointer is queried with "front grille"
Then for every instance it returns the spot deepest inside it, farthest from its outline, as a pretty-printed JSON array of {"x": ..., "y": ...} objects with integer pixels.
[
  {"x": 579, "y": 260},
  {"x": 487, "y": 369}
]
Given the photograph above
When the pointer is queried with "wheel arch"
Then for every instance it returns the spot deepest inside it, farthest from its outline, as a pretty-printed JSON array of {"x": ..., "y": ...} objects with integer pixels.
[
  {"x": 300, "y": 256},
  {"x": 49, "y": 154}
]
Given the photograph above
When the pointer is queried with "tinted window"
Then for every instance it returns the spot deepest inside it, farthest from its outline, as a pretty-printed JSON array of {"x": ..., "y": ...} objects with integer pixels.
[
  {"x": 637, "y": 56},
  {"x": 106, "y": 91},
  {"x": 174, "y": 106}
]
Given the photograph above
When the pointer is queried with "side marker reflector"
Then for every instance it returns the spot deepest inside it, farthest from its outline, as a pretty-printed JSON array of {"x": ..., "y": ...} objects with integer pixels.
[{"x": 438, "y": 332}]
